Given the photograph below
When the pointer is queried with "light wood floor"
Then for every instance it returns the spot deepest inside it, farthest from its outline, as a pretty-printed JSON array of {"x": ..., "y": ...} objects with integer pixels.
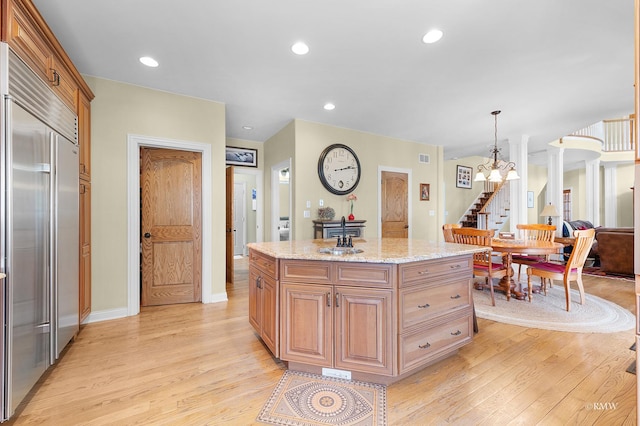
[{"x": 200, "y": 364}]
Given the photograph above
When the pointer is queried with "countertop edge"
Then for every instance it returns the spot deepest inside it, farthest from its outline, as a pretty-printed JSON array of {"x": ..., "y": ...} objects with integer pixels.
[{"x": 419, "y": 251}]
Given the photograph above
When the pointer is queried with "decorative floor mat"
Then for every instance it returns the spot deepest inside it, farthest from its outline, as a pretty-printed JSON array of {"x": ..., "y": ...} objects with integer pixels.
[{"x": 305, "y": 399}]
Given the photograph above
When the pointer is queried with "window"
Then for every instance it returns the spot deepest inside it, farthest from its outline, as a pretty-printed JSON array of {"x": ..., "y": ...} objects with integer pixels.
[{"x": 566, "y": 205}]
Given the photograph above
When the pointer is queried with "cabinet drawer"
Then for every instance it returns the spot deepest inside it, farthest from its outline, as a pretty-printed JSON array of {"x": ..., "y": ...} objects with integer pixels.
[
  {"x": 263, "y": 262},
  {"x": 305, "y": 271},
  {"x": 427, "y": 344},
  {"x": 419, "y": 271},
  {"x": 423, "y": 303},
  {"x": 365, "y": 274}
]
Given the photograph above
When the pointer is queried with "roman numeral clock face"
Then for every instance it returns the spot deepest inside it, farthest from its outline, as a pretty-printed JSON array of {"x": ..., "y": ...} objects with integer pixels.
[{"x": 339, "y": 169}]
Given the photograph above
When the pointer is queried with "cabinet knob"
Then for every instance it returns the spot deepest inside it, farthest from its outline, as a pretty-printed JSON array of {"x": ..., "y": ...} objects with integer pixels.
[{"x": 147, "y": 235}]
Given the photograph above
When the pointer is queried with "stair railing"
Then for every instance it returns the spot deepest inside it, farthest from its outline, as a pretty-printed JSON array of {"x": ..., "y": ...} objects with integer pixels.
[
  {"x": 616, "y": 135},
  {"x": 496, "y": 209}
]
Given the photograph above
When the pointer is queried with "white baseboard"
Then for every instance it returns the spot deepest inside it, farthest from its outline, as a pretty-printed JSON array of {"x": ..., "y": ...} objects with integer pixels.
[
  {"x": 110, "y": 314},
  {"x": 215, "y": 298}
]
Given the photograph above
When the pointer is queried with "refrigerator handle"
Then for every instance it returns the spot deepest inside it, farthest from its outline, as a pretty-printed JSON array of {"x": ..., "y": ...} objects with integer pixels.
[{"x": 53, "y": 261}]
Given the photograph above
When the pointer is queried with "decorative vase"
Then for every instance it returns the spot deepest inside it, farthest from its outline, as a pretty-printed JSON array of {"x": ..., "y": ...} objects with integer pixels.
[{"x": 351, "y": 216}]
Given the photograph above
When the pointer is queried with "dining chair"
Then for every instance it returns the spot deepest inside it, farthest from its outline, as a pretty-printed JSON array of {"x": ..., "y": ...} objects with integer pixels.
[
  {"x": 572, "y": 271},
  {"x": 533, "y": 231},
  {"x": 483, "y": 266},
  {"x": 446, "y": 230}
]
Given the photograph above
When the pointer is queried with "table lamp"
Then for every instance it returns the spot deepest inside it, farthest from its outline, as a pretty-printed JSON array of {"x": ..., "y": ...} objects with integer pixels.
[{"x": 549, "y": 210}]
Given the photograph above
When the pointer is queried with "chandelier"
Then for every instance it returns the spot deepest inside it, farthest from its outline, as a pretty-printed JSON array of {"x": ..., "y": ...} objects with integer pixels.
[{"x": 494, "y": 168}]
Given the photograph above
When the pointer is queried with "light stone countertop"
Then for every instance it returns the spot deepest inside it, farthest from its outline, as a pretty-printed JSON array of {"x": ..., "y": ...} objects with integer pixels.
[{"x": 385, "y": 250}]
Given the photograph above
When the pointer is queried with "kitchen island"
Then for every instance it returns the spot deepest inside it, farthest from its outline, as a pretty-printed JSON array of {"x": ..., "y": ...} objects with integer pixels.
[{"x": 378, "y": 311}]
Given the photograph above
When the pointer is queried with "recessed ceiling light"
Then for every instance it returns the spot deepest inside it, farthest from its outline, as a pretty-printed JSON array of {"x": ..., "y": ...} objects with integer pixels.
[
  {"x": 247, "y": 127},
  {"x": 300, "y": 48},
  {"x": 149, "y": 61},
  {"x": 329, "y": 106},
  {"x": 432, "y": 36}
]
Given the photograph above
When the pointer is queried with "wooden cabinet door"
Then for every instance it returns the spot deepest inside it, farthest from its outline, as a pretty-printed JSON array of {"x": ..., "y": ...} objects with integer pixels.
[
  {"x": 364, "y": 330},
  {"x": 84, "y": 136},
  {"x": 62, "y": 84},
  {"x": 255, "y": 296},
  {"x": 25, "y": 38},
  {"x": 269, "y": 332},
  {"x": 85, "y": 250},
  {"x": 307, "y": 323}
]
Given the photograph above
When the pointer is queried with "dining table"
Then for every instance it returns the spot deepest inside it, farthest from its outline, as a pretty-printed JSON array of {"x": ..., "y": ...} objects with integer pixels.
[{"x": 508, "y": 247}]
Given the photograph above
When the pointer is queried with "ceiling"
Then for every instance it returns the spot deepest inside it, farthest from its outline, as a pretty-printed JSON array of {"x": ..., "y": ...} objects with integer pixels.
[{"x": 551, "y": 66}]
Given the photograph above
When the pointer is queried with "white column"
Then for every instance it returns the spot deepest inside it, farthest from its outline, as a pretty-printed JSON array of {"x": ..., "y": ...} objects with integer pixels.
[
  {"x": 610, "y": 198},
  {"x": 555, "y": 183},
  {"x": 593, "y": 191},
  {"x": 518, "y": 188}
]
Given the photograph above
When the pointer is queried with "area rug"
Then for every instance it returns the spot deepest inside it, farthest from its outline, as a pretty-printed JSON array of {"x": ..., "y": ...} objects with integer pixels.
[
  {"x": 596, "y": 272},
  {"x": 304, "y": 399},
  {"x": 549, "y": 312}
]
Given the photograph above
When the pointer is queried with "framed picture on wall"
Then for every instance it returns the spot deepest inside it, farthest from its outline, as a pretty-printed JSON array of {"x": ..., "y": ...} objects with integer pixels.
[
  {"x": 241, "y": 156},
  {"x": 463, "y": 176},
  {"x": 530, "y": 199},
  {"x": 424, "y": 192}
]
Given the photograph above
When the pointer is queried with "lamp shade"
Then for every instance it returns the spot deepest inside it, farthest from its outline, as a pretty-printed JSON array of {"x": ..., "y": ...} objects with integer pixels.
[
  {"x": 495, "y": 176},
  {"x": 479, "y": 177},
  {"x": 549, "y": 210},
  {"x": 512, "y": 174}
]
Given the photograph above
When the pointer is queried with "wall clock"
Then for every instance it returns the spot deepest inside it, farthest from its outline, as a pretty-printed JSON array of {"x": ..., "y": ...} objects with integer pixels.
[{"x": 339, "y": 169}]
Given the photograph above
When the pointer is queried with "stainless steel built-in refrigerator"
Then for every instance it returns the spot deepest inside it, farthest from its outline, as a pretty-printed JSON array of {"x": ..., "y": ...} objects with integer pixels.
[{"x": 38, "y": 229}]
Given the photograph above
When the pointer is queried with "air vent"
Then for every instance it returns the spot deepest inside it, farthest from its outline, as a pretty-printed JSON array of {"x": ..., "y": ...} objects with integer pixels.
[{"x": 424, "y": 158}]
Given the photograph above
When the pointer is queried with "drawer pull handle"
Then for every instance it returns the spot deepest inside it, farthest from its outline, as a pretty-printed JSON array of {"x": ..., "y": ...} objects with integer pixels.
[
  {"x": 425, "y": 346},
  {"x": 457, "y": 296},
  {"x": 454, "y": 266},
  {"x": 426, "y": 271},
  {"x": 426, "y": 305},
  {"x": 457, "y": 333}
]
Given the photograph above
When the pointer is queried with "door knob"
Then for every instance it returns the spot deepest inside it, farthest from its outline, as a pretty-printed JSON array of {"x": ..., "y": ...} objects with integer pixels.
[{"x": 147, "y": 235}]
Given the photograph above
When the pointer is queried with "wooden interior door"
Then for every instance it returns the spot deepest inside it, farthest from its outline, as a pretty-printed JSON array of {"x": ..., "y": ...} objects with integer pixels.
[
  {"x": 229, "y": 225},
  {"x": 395, "y": 205},
  {"x": 171, "y": 226}
]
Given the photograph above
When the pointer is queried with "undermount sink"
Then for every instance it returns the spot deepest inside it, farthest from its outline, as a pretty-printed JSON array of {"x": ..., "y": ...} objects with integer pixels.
[{"x": 339, "y": 251}]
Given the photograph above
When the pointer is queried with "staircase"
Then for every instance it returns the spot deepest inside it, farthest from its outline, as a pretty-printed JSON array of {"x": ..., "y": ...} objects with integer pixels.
[{"x": 491, "y": 208}]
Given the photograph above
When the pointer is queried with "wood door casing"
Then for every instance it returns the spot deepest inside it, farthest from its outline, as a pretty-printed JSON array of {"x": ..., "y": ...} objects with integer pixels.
[
  {"x": 395, "y": 205},
  {"x": 171, "y": 182}
]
